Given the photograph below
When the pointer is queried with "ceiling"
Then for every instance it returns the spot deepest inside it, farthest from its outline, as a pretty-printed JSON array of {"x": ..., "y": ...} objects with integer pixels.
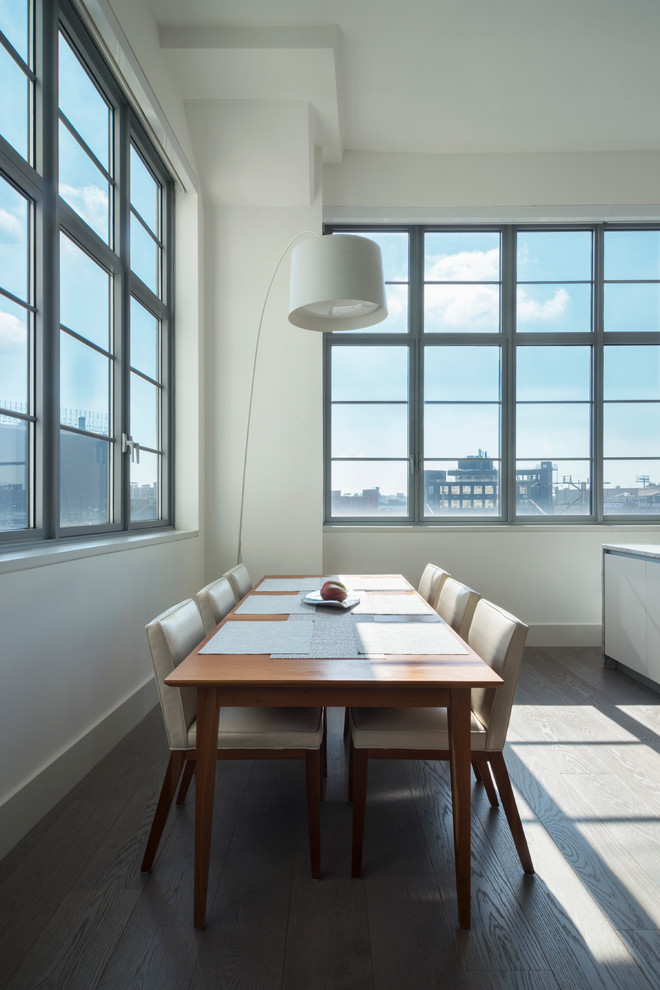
[{"x": 443, "y": 76}]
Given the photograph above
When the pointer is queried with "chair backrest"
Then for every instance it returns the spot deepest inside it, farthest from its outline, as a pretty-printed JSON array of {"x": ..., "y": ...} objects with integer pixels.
[
  {"x": 214, "y": 602},
  {"x": 172, "y": 636},
  {"x": 499, "y": 639},
  {"x": 456, "y": 604},
  {"x": 240, "y": 580},
  {"x": 431, "y": 582}
]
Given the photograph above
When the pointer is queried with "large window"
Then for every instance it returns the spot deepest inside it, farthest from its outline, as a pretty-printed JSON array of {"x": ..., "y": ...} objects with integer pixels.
[
  {"x": 85, "y": 290},
  {"x": 516, "y": 378}
]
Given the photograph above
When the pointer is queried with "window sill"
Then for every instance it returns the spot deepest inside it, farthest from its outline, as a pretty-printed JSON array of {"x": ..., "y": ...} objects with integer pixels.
[
  {"x": 57, "y": 553},
  {"x": 424, "y": 530}
]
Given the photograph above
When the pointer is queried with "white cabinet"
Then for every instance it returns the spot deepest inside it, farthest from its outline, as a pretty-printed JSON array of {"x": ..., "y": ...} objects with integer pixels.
[{"x": 631, "y": 608}]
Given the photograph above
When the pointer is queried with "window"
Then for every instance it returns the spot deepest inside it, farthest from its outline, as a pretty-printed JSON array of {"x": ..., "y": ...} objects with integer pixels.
[
  {"x": 516, "y": 378},
  {"x": 85, "y": 290}
]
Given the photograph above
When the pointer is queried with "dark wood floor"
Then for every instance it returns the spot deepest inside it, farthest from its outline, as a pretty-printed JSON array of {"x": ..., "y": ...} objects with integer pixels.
[{"x": 584, "y": 756}]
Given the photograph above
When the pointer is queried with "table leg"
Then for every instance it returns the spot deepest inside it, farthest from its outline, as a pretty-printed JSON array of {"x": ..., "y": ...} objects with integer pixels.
[
  {"x": 459, "y": 752},
  {"x": 208, "y": 715}
]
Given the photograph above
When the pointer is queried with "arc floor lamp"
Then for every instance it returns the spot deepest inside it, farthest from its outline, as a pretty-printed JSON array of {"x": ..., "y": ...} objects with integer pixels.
[{"x": 336, "y": 283}]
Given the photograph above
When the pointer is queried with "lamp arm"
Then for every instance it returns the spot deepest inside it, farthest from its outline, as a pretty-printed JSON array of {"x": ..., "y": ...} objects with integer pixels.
[{"x": 315, "y": 233}]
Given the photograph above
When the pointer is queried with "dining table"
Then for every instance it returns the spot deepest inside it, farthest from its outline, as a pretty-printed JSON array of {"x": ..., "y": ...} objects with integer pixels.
[{"x": 384, "y": 647}]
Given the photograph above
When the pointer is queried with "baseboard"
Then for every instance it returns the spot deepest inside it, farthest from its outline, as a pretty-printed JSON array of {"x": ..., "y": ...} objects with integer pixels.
[
  {"x": 26, "y": 806},
  {"x": 581, "y": 634}
]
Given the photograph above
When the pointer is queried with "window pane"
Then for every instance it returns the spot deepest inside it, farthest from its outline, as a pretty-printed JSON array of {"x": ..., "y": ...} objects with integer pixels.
[
  {"x": 83, "y": 186},
  {"x": 553, "y": 430},
  {"x": 13, "y": 473},
  {"x": 84, "y": 386},
  {"x": 632, "y": 254},
  {"x": 554, "y": 255},
  {"x": 84, "y": 480},
  {"x": 370, "y": 431},
  {"x": 83, "y": 105},
  {"x": 14, "y": 232},
  {"x": 394, "y": 250},
  {"x": 462, "y": 256},
  {"x": 631, "y": 429},
  {"x": 373, "y": 488},
  {"x": 461, "y": 431},
  {"x": 145, "y": 256},
  {"x": 14, "y": 110},
  {"x": 631, "y": 372},
  {"x": 144, "y": 488},
  {"x": 553, "y": 308},
  {"x": 631, "y": 487},
  {"x": 365, "y": 373},
  {"x": 14, "y": 25},
  {"x": 144, "y": 340},
  {"x": 559, "y": 373},
  {"x": 145, "y": 408},
  {"x": 462, "y": 373},
  {"x": 14, "y": 356},
  {"x": 632, "y": 307},
  {"x": 461, "y": 308},
  {"x": 466, "y": 487},
  {"x": 145, "y": 192},
  {"x": 553, "y": 489},
  {"x": 84, "y": 294}
]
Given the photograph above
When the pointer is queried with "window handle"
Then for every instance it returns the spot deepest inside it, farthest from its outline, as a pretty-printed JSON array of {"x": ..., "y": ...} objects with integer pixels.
[{"x": 129, "y": 445}]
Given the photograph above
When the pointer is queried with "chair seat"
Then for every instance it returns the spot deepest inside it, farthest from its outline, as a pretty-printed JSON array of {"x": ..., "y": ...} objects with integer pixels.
[
  {"x": 408, "y": 728},
  {"x": 266, "y": 728}
]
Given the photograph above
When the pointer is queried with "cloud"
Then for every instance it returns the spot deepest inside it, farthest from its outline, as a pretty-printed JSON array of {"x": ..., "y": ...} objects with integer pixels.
[
  {"x": 465, "y": 266},
  {"x": 12, "y": 226},
  {"x": 13, "y": 334},
  {"x": 90, "y": 202},
  {"x": 535, "y": 311},
  {"x": 462, "y": 307}
]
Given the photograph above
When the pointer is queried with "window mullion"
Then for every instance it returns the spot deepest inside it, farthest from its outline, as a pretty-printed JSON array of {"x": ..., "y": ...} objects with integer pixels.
[
  {"x": 416, "y": 375},
  {"x": 597, "y": 466}
]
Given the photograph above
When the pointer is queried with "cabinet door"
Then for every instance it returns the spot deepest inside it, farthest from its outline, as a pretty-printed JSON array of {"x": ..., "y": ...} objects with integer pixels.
[
  {"x": 625, "y": 610},
  {"x": 653, "y": 620}
]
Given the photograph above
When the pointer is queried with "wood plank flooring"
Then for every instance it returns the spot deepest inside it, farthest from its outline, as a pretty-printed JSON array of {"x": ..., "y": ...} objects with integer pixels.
[{"x": 584, "y": 756}]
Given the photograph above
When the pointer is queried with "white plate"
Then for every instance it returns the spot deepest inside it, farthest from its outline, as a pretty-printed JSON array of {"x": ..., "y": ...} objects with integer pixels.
[{"x": 314, "y": 598}]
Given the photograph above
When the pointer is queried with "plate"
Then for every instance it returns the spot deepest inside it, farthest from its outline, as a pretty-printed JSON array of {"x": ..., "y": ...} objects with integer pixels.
[{"x": 314, "y": 598}]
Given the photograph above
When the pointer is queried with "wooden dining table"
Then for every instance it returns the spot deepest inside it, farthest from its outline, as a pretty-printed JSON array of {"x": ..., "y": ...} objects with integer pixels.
[{"x": 398, "y": 680}]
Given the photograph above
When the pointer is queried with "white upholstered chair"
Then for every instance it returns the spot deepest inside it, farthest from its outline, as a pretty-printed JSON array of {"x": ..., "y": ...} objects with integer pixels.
[
  {"x": 243, "y": 733},
  {"x": 239, "y": 578},
  {"x": 214, "y": 602},
  {"x": 431, "y": 582},
  {"x": 456, "y": 604},
  {"x": 422, "y": 733}
]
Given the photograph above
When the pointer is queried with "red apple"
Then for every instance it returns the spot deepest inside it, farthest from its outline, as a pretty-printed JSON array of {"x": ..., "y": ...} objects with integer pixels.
[{"x": 333, "y": 591}]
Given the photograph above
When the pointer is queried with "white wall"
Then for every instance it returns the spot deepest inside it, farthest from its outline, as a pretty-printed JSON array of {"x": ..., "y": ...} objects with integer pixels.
[{"x": 550, "y": 577}]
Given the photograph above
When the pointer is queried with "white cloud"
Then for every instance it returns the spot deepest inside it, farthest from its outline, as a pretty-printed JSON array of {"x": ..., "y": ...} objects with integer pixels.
[
  {"x": 12, "y": 334},
  {"x": 466, "y": 266},
  {"x": 534, "y": 311},
  {"x": 462, "y": 307},
  {"x": 90, "y": 202},
  {"x": 12, "y": 227}
]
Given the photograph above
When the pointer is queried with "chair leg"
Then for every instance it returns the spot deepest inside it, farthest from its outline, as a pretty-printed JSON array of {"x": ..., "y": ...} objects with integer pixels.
[
  {"x": 511, "y": 810},
  {"x": 188, "y": 772},
  {"x": 346, "y": 723},
  {"x": 167, "y": 791},
  {"x": 487, "y": 780},
  {"x": 313, "y": 778},
  {"x": 359, "y": 764},
  {"x": 351, "y": 757},
  {"x": 477, "y": 771},
  {"x": 324, "y": 747}
]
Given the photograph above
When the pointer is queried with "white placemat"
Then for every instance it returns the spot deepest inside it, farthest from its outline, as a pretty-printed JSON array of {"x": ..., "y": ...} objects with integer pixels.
[
  {"x": 373, "y": 603},
  {"x": 375, "y": 582},
  {"x": 292, "y": 636},
  {"x": 291, "y": 584},
  {"x": 406, "y": 637},
  {"x": 275, "y": 605}
]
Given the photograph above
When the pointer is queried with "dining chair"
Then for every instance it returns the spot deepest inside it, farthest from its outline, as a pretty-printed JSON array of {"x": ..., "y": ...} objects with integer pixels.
[
  {"x": 243, "y": 733},
  {"x": 240, "y": 580},
  {"x": 422, "y": 733},
  {"x": 456, "y": 604},
  {"x": 214, "y": 602},
  {"x": 431, "y": 582}
]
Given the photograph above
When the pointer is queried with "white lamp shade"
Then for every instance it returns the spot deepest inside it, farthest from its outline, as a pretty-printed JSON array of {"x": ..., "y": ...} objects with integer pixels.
[{"x": 337, "y": 283}]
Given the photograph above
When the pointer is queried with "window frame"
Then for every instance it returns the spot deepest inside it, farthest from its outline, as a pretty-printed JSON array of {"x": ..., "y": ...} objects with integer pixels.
[
  {"x": 509, "y": 340},
  {"x": 52, "y": 215}
]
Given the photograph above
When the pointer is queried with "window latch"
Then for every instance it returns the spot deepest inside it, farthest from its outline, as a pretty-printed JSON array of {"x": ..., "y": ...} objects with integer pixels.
[{"x": 129, "y": 445}]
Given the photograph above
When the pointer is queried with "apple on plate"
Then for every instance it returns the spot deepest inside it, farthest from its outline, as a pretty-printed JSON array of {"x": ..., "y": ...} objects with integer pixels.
[{"x": 334, "y": 591}]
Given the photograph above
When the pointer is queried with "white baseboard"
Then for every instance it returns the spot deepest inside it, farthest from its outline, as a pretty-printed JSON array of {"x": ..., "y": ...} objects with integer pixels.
[
  {"x": 582, "y": 634},
  {"x": 26, "y": 806}
]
